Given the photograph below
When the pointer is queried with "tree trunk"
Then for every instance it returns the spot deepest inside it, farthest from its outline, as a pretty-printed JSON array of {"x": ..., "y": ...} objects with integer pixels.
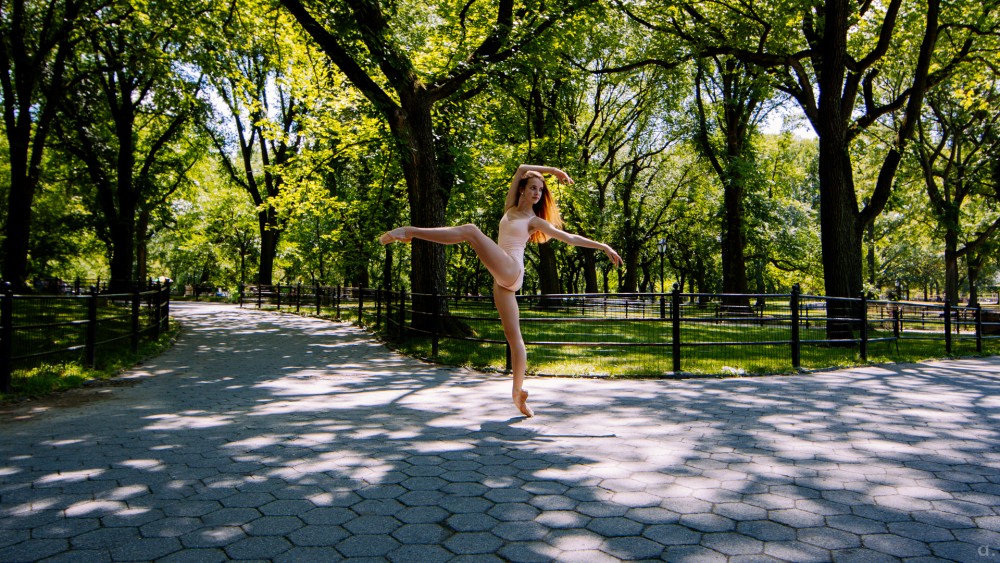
[
  {"x": 142, "y": 247},
  {"x": 951, "y": 266},
  {"x": 18, "y": 228},
  {"x": 269, "y": 235},
  {"x": 734, "y": 268},
  {"x": 589, "y": 270},
  {"x": 840, "y": 236}
]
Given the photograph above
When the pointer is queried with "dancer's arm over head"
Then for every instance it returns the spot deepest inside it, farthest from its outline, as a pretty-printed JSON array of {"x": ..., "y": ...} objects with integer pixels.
[
  {"x": 559, "y": 174},
  {"x": 576, "y": 240}
]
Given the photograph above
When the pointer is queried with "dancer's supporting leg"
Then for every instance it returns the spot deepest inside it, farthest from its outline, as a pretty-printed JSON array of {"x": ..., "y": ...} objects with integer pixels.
[
  {"x": 498, "y": 262},
  {"x": 506, "y": 302}
]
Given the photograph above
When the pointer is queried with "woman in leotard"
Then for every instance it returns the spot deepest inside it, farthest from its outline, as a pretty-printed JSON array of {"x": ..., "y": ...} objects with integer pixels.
[{"x": 530, "y": 214}]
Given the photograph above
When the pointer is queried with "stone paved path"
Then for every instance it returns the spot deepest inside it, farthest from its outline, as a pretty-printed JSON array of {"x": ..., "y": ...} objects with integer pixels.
[{"x": 267, "y": 436}]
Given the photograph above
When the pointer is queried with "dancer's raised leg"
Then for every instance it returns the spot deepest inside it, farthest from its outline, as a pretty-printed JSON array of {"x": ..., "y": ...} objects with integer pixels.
[
  {"x": 498, "y": 262},
  {"x": 510, "y": 318}
]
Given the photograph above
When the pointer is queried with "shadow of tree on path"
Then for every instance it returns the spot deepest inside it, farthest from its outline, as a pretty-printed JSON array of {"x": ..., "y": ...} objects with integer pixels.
[{"x": 282, "y": 437}]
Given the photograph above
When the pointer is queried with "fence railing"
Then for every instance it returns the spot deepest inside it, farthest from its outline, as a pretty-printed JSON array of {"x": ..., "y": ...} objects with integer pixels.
[
  {"x": 655, "y": 334},
  {"x": 36, "y": 329}
]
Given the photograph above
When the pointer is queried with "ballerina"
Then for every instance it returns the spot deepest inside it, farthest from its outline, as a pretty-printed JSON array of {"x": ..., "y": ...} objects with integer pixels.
[{"x": 530, "y": 214}]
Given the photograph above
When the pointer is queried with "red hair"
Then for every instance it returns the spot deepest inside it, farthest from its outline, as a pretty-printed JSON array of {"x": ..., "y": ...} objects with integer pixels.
[{"x": 546, "y": 207}]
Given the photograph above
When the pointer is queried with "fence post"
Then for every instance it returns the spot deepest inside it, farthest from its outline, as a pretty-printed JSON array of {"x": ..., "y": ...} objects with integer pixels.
[
  {"x": 166, "y": 306},
  {"x": 947, "y": 327},
  {"x": 388, "y": 312},
  {"x": 157, "y": 306},
  {"x": 863, "y": 345},
  {"x": 663, "y": 306},
  {"x": 241, "y": 288},
  {"x": 136, "y": 297},
  {"x": 298, "y": 296},
  {"x": 435, "y": 319},
  {"x": 979, "y": 328},
  {"x": 402, "y": 313},
  {"x": 793, "y": 304},
  {"x": 6, "y": 334},
  {"x": 336, "y": 299},
  {"x": 675, "y": 322},
  {"x": 90, "y": 350},
  {"x": 361, "y": 304},
  {"x": 378, "y": 308},
  {"x": 277, "y": 291}
]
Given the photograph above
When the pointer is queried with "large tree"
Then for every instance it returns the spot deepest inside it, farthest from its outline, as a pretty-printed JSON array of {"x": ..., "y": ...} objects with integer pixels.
[
  {"x": 129, "y": 124},
  {"x": 829, "y": 56},
  {"x": 262, "y": 79},
  {"x": 36, "y": 40},
  {"x": 959, "y": 144},
  {"x": 736, "y": 93},
  {"x": 410, "y": 59}
]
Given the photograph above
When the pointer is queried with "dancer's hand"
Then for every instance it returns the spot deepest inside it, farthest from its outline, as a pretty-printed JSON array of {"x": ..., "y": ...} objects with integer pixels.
[
  {"x": 562, "y": 176},
  {"x": 613, "y": 256}
]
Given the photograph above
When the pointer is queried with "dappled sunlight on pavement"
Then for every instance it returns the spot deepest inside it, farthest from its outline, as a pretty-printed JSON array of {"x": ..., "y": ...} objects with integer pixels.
[{"x": 274, "y": 436}]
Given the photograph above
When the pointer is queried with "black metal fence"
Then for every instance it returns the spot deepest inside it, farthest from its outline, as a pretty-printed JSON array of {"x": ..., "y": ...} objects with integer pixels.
[
  {"x": 43, "y": 328},
  {"x": 668, "y": 334}
]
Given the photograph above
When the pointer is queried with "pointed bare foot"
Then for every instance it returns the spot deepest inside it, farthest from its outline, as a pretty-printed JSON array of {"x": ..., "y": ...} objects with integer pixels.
[
  {"x": 521, "y": 402},
  {"x": 395, "y": 235}
]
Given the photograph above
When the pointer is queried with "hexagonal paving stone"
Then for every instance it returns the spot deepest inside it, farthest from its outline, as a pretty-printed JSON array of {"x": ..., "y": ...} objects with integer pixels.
[
  {"x": 298, "y": 554},
  {"x": 313, "y": 536},
  {"x": 247, "y": 500},
  {"x": 528, "y": 552},
  {"x": 420, "y": 534},
  {"x": 521, "y": 531},
  {"x": 267, "y": 547},
  {"x": 373, "y": 525},
  {"x": 671, "y": 534},
  {"x": 422, "y": 515},
  {"x": 328, "y": 516},
  {"x": 472, "y": 522},
  {"x": 511, "y": 511},
  {"x": 765, "y": 530},
  {"x": 146, "y": 549},
  {"x": 732, "y": 544},
  {"x": 378, "y": 507},
  {"x": 575, "y": 540},
  {"x": 421, "y": 553},
  {"x": 273, "y": 526},
  {"x": 632, "y": 547},
  {"x": 708, "y": 522},
  {"x": 461, "y": 505},
  {"x": 615, "y": 526},
  {"x": 896, "y": 546},
  {"x": 562, "y": 519},
  {"x": 469, "y": 543},
  {"x": 65, "y": 528},
  {"x": 218, "y": 536},
  {"x": 287, "y": 507},
  {"x": 33, "y": 549},
  {"x": 170, "y": 527},
  {"x": 553, "y": 502}
]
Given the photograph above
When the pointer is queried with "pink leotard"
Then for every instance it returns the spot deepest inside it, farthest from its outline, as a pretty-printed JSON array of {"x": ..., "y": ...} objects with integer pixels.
[{"x": 512, "y": 239}]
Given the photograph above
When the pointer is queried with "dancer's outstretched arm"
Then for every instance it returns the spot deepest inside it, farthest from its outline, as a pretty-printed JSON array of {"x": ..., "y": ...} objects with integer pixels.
[{"x": 576, "y": 240}]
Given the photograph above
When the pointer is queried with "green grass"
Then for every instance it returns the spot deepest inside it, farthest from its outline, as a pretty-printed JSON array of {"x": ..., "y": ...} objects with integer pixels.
[
  {"x": 609, "y": 357},
  {"x": 753, "y": 352},
  {"x": 49, "y": 378}
]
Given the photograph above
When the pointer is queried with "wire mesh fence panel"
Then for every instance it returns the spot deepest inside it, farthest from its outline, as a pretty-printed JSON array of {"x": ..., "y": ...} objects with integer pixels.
[
  {"x": 52, "y": 330},
  {"x": 634, "y": 334}
]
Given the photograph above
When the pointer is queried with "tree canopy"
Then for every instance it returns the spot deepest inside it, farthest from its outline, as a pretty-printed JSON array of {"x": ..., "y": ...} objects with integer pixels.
[{"x": 264, "y": 141}]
